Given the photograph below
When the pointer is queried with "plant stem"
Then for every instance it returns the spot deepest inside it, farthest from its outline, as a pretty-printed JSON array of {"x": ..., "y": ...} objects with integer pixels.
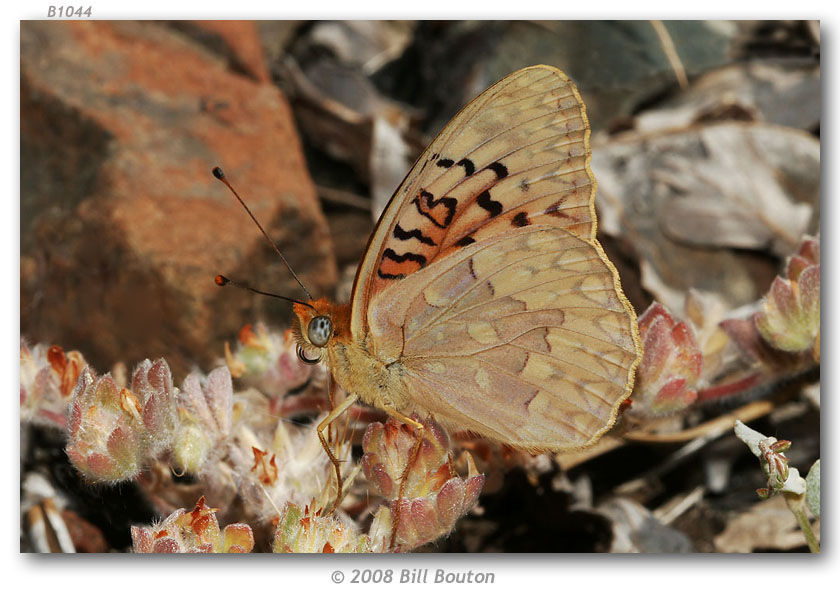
[{"x": 797, "y": 507}]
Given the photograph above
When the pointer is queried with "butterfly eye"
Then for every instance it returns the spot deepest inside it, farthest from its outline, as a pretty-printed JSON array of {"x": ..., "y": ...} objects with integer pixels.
[{"x": 319, "y": 331}]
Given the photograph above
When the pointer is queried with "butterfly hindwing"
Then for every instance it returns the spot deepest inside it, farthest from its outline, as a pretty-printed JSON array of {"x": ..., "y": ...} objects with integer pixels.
[{"x": 521, "y": 337}]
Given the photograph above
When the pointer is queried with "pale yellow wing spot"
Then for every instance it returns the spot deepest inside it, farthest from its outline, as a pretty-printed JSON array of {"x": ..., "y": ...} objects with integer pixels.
[{"x": 483, "y": 332}]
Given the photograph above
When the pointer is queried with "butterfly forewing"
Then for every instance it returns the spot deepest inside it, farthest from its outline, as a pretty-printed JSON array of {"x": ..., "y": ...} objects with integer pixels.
[
  {"x": 516, "y": 155},
  {"x": 484, "y": 280}
]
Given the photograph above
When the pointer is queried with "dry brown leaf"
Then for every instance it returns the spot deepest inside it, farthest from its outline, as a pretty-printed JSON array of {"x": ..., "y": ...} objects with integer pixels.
[
  {"x": 768, "y": 525},
  {"x": 636, "y": 529},
  {"x": 733, "y": 196},
  {"x": 685, "y": 199},
  {"x": 769, "y": 92},
  {"x": 336, "y": 106},
  {"x": 390, "y": 159},
  {"x": 368, "y": 44}
]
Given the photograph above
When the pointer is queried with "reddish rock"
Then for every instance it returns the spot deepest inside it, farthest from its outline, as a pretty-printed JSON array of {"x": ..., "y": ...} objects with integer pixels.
[
  {"x": 238, "y": 41},
  {"x": 122, "y": 225}
]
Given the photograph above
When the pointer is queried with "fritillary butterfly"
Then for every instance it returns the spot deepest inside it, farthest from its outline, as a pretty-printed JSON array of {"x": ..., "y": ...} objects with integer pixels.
[{"x": 483, "y": 299}]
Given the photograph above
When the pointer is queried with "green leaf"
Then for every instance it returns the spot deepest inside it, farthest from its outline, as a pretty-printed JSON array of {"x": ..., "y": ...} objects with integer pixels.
[{"x": 812, "y": 489}]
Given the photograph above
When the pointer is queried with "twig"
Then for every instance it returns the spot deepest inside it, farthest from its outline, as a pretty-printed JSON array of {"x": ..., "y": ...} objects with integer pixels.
[
  {"x": 670, "y": 52},
  {"x": 604, "y": 445},
  {"x": 343, "y": 197},
  {"x": 668, "y": 513},
  {"x": 708, "y": 431},
  {"x": 712, "y": 428},
  {"x": 645, "y": 481}
]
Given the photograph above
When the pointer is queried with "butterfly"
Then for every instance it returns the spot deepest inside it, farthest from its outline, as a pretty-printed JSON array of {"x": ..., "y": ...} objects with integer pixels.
[{"x": 483, "y": 299}]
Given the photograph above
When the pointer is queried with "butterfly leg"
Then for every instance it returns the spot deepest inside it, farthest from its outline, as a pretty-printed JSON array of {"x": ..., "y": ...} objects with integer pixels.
[
  {"x": 331, "y": 396},
  {"x": 335, "y": 413}
]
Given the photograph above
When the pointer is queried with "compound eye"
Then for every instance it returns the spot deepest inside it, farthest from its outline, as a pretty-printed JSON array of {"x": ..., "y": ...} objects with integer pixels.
[{"x": 320, "y": 331}]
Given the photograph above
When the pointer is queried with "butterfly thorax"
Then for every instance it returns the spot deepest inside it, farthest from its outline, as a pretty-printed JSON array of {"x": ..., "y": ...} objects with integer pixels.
[{"x": 352, "y": 362}]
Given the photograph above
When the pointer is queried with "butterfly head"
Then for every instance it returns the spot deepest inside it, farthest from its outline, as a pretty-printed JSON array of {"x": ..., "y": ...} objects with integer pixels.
[{"x": 318, "y": 325}]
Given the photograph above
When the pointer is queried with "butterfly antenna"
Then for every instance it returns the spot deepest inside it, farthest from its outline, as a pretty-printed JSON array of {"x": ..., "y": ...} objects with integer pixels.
[
  {"x": 222, "y": 281},
  {"x": 219, "y": 174}
]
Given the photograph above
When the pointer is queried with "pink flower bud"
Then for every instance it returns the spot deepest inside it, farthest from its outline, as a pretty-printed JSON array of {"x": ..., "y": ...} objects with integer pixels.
[
  {"x": 789, "y": 317},
  {"x": 300, "y": 531},
  {"x": 196, "y": 531},
  {"x": 389, "y": 447},
  {"x": 103, "y": 428},
  {"x": 209, "y": 400},
  {"x": 205, "y": 415},
  {"x": 670, "y": 369},
  {"x": 434, "y": 497},
  {"x": 152, "y": 383}
]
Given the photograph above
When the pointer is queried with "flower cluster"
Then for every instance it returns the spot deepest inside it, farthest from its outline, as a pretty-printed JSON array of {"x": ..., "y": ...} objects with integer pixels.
[
  {"x": 269, "y": 363},
  {"x": 255, "y": 466},
  {"x": 112, "y": 430},
  {"x": 783, "y": 336},
  {"x": 789, "y": 318},
  {"x": 667, "y": 377},
  {"x": 286, "y": 466},
  {"x": 433, "y": 496},
  {"x": 47, "y": 379},
  {"x": 196, "y": 531},
  {"x": 298, "y": 531}
]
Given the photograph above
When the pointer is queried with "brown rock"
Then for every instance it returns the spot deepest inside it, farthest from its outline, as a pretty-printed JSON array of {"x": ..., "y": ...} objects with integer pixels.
[
  {"x": 122, "y": 226},
  {"x": 238, "y": 41}
]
